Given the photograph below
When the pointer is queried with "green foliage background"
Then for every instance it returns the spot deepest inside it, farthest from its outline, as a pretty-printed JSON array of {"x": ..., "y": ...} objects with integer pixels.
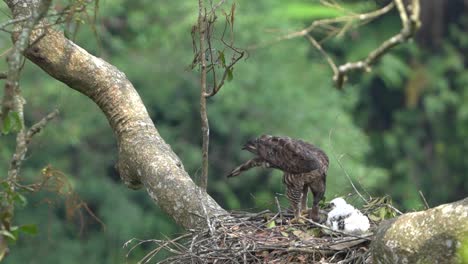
[{"x": 400, "y": 129}]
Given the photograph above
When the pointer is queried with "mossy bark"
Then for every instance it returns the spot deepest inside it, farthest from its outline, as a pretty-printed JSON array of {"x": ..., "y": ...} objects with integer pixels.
[{"x": 432, "y": 236}]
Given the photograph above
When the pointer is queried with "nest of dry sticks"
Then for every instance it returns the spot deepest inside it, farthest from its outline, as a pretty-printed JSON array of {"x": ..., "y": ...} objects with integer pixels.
[{"x": 267, "y": 237}]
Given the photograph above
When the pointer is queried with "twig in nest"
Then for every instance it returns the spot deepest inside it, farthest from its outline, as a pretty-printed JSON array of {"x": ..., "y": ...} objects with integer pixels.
[{"x": 278, "y": 206}]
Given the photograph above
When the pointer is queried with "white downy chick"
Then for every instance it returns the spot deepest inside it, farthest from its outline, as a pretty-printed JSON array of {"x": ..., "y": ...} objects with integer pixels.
[{"x": 345, "y": 218}]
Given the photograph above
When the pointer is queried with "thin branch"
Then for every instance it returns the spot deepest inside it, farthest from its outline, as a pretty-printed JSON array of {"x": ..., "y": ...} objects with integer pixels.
[
  {"x": 13, "y": 21},
  {"x": 23, "y": 143},
  {"x": 324, "y": 53},
  {"x": 340, "y": 73},
  {"x": 426, "y": 205},
  {"x": 209, "y": 59},
  {"x": 12, "y": 99},
  {"x": 237, "y": 53},
  {"x": 409, "y": 27},
  {"x": 205, "y": 127},
  {"x": 331, "y": 21},
  {"x": 214, "y": 7},
  {"x": 36, "y": 128},
  {"x": 227, "y": 71}
]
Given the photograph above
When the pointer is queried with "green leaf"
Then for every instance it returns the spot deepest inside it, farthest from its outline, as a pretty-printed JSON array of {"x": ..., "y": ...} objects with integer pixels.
[
  {"x": 5, "y": 185},
  {"x": 7, "y": 234},
  {"x": 229, "y": 74},
  {"x": 20, "y": 199},
  {"x": 298, "y": 233},
  {"x": 382, "y": 212},
  {"x": 16, "y": 123},
  {"x": 314, "y": 232},
  {"x": 6, "y": 126},
  {"x": 28, "y": 229},
  {"x": 374, "y": 218},
  {"x": 12, "y": 122},
  {"x": 222, "y": 58},
  {"x": 271, "y": 224}
]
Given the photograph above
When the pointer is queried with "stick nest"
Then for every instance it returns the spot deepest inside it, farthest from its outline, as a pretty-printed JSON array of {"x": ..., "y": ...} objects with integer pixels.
[{"x": 267, "y": 237}]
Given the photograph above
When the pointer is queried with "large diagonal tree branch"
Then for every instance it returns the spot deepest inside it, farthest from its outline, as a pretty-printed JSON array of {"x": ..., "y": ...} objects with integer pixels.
[{"x": 144, "y": 158}]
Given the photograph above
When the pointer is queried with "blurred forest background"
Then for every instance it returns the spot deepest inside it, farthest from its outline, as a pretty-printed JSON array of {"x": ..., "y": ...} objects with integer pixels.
[{"x": 397, "y": 130}]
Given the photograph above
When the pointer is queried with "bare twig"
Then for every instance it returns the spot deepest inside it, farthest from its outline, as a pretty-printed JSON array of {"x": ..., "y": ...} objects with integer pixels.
[
  {"x": 331, "y": 21},
  {"x": 155, "y": 251},
  {"x": 410, "y": 24},
  {"x": 278, "y": 206},
  {"x": 322, "y": 51},
  {"x": 338, "y": 160},
  {"x": 423, "y": 199},
  {"x": 394, "y": 209},
  {"x": 215, "y": 7},
  {"x": 409, "y": 27}
]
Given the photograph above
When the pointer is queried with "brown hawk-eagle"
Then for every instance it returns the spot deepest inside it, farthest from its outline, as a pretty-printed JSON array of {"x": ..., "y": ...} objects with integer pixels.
[{"x": 304, "y": 165}]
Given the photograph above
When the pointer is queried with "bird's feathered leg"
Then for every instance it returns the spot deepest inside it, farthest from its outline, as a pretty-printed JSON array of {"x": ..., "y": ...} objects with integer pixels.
[
  {"x": 305, "y": 191},
  {"x": 318, "y": 196},
  {"x": 294, "y": 196},
  {"x": 255, "y": 162},
  {"x": 294, "y": 189}
]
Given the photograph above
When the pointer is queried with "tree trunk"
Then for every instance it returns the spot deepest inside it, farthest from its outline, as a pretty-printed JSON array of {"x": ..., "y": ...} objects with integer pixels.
[
  {"x": 432, "y": 236},
  {"x": 144, "y": 158}
]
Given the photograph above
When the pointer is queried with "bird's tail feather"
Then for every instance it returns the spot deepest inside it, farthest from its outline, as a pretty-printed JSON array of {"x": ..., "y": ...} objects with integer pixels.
[{"x": 255, "y": 162}]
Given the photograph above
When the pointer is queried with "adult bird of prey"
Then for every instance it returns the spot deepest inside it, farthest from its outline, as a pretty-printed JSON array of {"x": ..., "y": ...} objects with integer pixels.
[{"x": 304, "y": 165}]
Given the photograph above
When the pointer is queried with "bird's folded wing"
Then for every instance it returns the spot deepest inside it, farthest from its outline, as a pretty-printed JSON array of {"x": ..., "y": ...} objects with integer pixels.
[{"x": 290, "y": 155}]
